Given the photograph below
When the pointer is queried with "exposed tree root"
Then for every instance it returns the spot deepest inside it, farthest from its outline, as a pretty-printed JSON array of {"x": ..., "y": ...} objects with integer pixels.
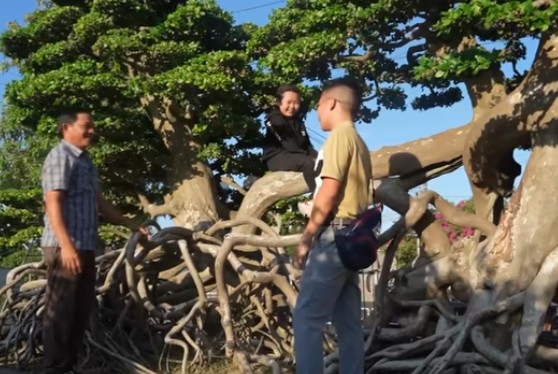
[
  {"x": 189, "y": 297},
  {"x": 138, "y": 318}
]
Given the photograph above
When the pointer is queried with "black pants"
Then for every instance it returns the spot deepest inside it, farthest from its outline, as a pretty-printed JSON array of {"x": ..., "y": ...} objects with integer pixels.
[
  {"x": 68, "y": 304},
  {"x": 295, "y": 162}
]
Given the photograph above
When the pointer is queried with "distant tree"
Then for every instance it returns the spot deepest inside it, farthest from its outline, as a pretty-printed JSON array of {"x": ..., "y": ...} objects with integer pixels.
[{"x": 171, "y": 88}]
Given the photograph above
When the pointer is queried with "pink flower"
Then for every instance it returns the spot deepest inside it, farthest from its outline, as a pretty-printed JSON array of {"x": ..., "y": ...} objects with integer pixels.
[
  {"x": 454, "y": 232},
  {"x": 468, "y": 231}
]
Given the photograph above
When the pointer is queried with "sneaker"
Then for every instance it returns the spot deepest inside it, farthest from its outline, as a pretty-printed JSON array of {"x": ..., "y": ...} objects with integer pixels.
[{"x": 305, "y": 207}]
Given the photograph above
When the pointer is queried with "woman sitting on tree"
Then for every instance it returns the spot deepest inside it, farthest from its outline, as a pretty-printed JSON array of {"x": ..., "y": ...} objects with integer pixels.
[{"x": 287, "y": 146}]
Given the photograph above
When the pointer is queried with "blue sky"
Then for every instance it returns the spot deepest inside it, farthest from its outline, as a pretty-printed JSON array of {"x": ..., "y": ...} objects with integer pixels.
[{"x": 391, "y": 128}]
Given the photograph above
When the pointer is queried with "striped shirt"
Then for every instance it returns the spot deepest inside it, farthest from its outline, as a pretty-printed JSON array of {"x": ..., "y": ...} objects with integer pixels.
[{"x": 68, "y": 168}]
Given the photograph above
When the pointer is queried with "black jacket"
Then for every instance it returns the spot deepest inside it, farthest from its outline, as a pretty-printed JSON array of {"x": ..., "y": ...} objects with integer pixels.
[{"x": 285, "y": 134}]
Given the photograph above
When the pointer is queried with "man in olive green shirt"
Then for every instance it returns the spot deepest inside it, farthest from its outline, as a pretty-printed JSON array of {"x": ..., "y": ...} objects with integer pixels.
[{"x": 328, "y": 289}]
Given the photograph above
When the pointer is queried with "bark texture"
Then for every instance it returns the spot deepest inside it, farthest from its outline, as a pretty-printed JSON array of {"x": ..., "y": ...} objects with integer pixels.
[{"x": 473, "y": 306}]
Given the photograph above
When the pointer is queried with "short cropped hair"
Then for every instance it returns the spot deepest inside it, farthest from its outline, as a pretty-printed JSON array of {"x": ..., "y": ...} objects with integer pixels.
[{"x": 354, "y": 87}]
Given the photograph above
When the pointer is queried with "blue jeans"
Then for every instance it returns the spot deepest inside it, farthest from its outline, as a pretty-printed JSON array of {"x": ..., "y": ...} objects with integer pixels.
[{"x": 328, "y": 291}]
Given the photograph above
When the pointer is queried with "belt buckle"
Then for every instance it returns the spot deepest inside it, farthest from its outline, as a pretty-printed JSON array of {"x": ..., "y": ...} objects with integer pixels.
[{"x": 338, "y": 223}]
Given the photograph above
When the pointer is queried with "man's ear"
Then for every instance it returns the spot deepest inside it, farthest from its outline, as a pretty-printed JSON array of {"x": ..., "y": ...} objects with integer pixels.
[{"x": 332, "y": 103}]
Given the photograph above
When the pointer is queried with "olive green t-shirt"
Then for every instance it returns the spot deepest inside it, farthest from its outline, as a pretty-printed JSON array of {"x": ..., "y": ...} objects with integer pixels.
[{"x": 345, "y": 157}]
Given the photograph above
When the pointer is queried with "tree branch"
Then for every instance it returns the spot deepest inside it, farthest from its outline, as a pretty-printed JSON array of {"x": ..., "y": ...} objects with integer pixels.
[
  {"x": 413, "y": 33},
  {"x": 394, "y": 194},
  {"x": 452, "y": 214},
  {"x": 418, "y": 156},
  {"x": 537, "y": 299},
  {"x": 358, "y": 58},
  {"x": 229, "y": 181},
  {"x": 416, "y": 328},
  {"x": 412, "y": 51},
  {"x": 542, "y": 4},
  {"x": 265, "y": 192},
  {"x": 155, "y": 210}
]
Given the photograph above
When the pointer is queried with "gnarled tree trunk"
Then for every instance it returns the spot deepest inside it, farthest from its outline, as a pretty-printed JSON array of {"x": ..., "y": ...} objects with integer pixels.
[
  {"x": 192, "y": 200},
  {"x": 508, "y": 274}
]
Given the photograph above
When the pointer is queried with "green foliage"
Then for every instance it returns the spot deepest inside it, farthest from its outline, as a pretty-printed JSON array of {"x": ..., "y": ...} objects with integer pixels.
[
  {"x": 291, "y": 220},
  {"x": 110, "y": 56},
  {"x": 454, "y": 65},
  {"x": 45, "y": 26},
  {"x": 20, "y": 257},
  {"x": 406, "y": 252},
  {"x": 20, "y": 222},
  {"x": 130, "y": 62},
  {"x": 390, "y": 44},
  {"x": 496, "y": 19},
  {"x": 172, "y": 82},
  {"x": 285, "y": 216}
]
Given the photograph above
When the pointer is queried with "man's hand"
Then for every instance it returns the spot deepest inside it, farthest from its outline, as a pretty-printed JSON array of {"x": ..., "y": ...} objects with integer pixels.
[
  {"x": 70, "y": 259},
  {"x": 143, "y": 230},
  {"x": 145, "y": 236},
  {"x": 301, "y": 252}
]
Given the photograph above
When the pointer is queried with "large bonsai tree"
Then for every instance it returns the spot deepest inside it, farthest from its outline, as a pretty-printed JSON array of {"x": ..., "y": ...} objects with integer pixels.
[{"x": 185, "y": 86}]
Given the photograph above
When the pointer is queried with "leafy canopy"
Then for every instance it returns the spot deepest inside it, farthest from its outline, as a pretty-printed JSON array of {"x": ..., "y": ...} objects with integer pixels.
[
  {"x": 171, "y": 82},
  {"x": 392, "y": 45},
  {"x": 131, "y": 62}
]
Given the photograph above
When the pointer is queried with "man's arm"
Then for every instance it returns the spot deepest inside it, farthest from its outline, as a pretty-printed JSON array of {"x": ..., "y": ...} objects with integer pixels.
[
  {"x": 337, "y": 153},
  {"x": 113, "y": 215},
  {"x": 55, "y": 180},
  {"x": 325, "y": 203}
]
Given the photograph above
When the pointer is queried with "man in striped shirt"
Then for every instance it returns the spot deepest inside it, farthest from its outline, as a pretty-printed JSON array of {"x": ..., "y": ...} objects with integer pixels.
[{"x": 73, "y": 201}]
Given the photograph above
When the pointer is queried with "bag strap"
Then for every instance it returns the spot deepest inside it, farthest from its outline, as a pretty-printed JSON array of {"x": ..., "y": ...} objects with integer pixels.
[{"x": 374, "y": 203}]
